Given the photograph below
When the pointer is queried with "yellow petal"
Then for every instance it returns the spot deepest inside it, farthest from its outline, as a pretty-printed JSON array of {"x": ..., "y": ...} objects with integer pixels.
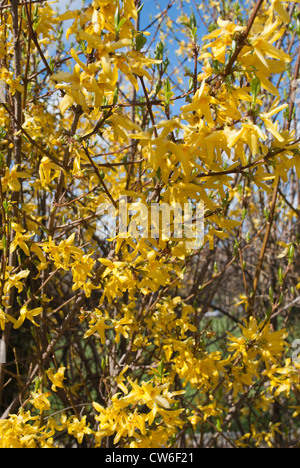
[
  {"x": 77, "y": 59},
  {"x": 106, "y": 65},
  {"x": 14, "y": 185},
  {"x": 261, "y": 58},
  {"x": 276, "y": 110},
  {"x": 67, "y": 102},
  {"x": 130, "y": 9},
  {"x": 266, "y": 84},
  {"x": 68, "y": 15},
  {"x": 25, "y": 248},
  {"x": 113, "y": 46},
  {"x": 63, "y": 76},
  {"x": 36, "y": 311},
  {"x": 98, "y": 407},
  {"x": 38, "y": 251},
  {"x": 19, "y": 322},
  {"x": 271, "y": 127},
  {"x": 284, "y": 15}
]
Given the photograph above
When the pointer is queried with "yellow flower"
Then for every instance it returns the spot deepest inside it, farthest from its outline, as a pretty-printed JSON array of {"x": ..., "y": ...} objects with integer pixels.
[
  {"x": 56, "y": 378},
  {"x": 130, "y": 9},
  {"x": 269, "y": 124},
  {"x": 82, "y": 269},
  {"x": 14, "y": 84},
  {"x": 19, "y": 431},
  {"x": 29, "y": 315},
  {"x": 201, "y": 104},
  {"x": 78, "y": 428},
  {"x": 5, "y": 318},
  {"x": 20, "y": 239},
  {"x": 258, "y": 339},
  {"x": 222, "y": 39},
  {"x": 40, "y": 401},
  {"x": 14, "y": 281},
  {"x": 97, "y": 325},
  {"x": 120, "y": 381},
  {"x": 11, "y": 179},
  {"x": 194, "y": 420},
  {"x": 148, "y": 394},
  {"x": 74, "y": 91},
  {"x": 210, "y": 410},
  {"x": 61, "y": 254},
  {"x": 45, "y": 169}
]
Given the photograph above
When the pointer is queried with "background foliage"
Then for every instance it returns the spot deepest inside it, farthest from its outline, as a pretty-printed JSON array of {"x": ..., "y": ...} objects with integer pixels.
[{"x": 140, "y": 342}]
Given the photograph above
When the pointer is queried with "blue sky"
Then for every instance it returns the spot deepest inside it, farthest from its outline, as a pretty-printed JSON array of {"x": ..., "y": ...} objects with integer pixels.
[{"x": 151, "y": 9}]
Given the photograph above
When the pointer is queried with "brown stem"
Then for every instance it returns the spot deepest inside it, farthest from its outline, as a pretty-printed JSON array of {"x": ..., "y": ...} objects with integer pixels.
[
  {"x": 264, "y": 248},
  {"x": 149, "y": 107},
  {"x": 15, "y": 196},
  {"x": 33, "y": 36}
]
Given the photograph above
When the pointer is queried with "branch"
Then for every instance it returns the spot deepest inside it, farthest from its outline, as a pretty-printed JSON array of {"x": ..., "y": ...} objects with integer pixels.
[
  {"x": 243, "y": 38},
  {"x": 33, "y": 35},
  {"x": 32, "y": 141},
  {"x": 15, "y": 197},
  {"x": 45, "y": 357},
  {"x": 149, "y": 107},
  {"x": 264, "y": 248}
]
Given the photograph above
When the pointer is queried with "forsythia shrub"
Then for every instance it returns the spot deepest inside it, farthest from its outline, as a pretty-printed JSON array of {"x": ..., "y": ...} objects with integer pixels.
[{"x": 140, "y": 341}]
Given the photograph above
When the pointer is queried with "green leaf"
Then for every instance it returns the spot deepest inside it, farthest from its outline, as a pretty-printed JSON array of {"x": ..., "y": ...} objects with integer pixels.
[
  {"x": 219, "y": 424},
  {"x": 140, "y": 8},
  {"x": 280, "y": 275},
  {"x": 271, "y": 294},
  {"x": 37, "y": 383},
  {"x": 255, "y": 89},
  {"x": 6, "y": 206},
  {"x": 103, "y": 364},
  {"x": 160, "y": 369},
  {"x": 291, "y": 254},
  {"x": 193, "y": 22},
  {"x": 268, "y": 314},
  {"x": 141, "y": 40},
  {"x": 116, "y": 96},
  {"x": 168, "y": 92},
  {"x": 117, "y": 19}
]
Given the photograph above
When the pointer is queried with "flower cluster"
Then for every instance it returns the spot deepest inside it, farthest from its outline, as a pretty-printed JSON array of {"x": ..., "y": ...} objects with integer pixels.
[{"x": 138, "y": 341}]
